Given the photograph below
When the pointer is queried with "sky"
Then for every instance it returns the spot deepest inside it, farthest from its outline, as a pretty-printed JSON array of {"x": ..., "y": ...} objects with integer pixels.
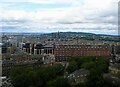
[{"x": 45, "y": 16}]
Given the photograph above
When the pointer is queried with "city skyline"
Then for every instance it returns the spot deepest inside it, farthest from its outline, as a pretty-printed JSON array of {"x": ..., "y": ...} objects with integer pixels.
[{"x": 46, "y": 16}]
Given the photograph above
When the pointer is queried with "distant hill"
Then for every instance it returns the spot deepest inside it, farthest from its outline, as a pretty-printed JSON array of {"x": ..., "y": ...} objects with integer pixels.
[
  {"x": 82, "y": 35},
  {"x": 76, "y": 35}
]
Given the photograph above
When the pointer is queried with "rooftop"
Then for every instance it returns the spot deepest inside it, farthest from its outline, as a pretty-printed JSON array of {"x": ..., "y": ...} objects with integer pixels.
[{"x": 79, "y": 73}]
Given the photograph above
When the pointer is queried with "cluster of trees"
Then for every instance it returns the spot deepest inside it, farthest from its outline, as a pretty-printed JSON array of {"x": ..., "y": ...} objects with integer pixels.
[
  {"x": 88, "y": 63},
  {"x": 53, "y": 76},
  {"x": 39, "y": 77},
  {"x": 115, "y": 39},
  {"x": 96, "y": 67}
]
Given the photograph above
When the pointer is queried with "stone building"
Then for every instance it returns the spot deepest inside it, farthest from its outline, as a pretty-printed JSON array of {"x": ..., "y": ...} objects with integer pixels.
[
  {"x": 78, "y": 76},
  {"x": 63, "y": 52}
]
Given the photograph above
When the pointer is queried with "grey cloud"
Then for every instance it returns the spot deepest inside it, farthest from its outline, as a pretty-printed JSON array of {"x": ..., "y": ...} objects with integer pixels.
[
  {"x": 72, "y": 22},
  {"x": 13, "y": 21},
  {"x": 109, "y": 19}
]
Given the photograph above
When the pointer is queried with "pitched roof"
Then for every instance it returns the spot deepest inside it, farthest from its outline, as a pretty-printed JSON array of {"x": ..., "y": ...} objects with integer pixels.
[{"x": 79, "y": 73}]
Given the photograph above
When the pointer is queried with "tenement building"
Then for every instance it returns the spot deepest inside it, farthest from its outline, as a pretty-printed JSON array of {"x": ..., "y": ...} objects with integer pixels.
[{"x": 63, "y": 52}]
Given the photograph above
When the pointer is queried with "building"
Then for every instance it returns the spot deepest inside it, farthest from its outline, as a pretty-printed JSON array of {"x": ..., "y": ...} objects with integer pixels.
[
  {"x": 115, "y": 70},
  {"x": 48, "y": 59},
  {"x": 8, "y": 65},
  {"x": 21, "y": 58},
  {"x": 113, "y": 77},
  {"x": 37, "y": 49},
  {"x": 64, "y": 52},
  {"x": 78, "y": 76},
  {"x": 117, "y": 49},
  {"x": 114, "y": 67}
]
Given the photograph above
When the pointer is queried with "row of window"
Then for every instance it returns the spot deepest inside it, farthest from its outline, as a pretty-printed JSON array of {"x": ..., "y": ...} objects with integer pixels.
[
  {"x": 81, "y": 46},
  {"x": 78, "y": 49},
  {"x": 82, "y": 53}
]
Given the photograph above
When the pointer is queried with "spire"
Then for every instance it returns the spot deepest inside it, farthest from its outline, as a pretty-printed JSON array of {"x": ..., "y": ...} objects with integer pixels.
[{"x": 58, "y": 34}]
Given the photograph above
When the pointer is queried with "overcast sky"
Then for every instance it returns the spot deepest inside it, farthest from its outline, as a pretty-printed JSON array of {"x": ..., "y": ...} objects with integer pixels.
[{"x": 93, "y": 16}]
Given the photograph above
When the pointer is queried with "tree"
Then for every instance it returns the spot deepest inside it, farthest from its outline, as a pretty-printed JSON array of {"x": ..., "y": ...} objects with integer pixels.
[
  {"x": 35, "y": 77},
  {"x": 58, "y": 82},
  {"x": 88, "y": 65},
  {"x": 72, "y": 66}
]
